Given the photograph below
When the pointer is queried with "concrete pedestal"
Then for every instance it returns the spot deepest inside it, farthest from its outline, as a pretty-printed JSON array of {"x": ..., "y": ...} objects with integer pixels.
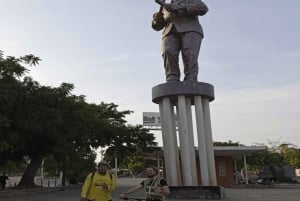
[
  {"x": 186, "y": 97},
  {"x": 196, "y": 192}
]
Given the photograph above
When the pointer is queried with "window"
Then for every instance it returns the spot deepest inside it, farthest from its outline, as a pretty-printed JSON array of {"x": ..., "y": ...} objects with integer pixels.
[{"x": 222, "y": 169}]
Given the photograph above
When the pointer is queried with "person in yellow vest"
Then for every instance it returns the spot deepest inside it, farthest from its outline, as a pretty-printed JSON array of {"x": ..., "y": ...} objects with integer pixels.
[
  {"x": 156, "y": 188},
  {"x": 98, "y": 186}
]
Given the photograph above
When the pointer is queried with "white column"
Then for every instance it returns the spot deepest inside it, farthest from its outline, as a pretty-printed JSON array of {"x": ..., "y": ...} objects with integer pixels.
[
  {"x": 184, "y": 142},
  {"x": 158, "y": 164},
  {"x": 201, "y": 141},
  {"x": 42, "y": 172},
  {"x": 209, "y": 143},
  {"x": 60, "y": 177},
  {"x": 116, "y": 166},
  {"x": 191, "y": 142},
  {"x": 235, "y": 170},
  {"x": 246, "y": 169},
  {"x": 170, "y": 142}
]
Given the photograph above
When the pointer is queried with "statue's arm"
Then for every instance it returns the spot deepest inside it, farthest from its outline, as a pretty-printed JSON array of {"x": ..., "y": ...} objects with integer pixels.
[
  {"x": 199, "y": 8},
  {"x": 189, "y": 9}
]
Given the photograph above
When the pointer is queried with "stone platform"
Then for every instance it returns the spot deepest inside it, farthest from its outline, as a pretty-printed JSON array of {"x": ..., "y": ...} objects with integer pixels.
[{"x": 197, "y": 192}]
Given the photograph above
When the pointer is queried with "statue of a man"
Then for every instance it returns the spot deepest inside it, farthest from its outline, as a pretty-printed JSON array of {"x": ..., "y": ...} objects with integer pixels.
[{"x": 182, "y": 33}]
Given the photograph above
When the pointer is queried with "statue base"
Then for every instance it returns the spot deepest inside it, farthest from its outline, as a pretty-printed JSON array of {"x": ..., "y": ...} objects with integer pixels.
[{"x": 197, "y": 192}]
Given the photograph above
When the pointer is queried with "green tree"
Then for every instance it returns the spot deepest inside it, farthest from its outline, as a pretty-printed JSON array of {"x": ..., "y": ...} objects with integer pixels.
[
  {"x": 41, "y": 122},
  {"x": 132, "y": 141},
  {"x": 11, "y": 91},
  {"x": 291, "y": 154},
  {"x": 272, "y": 156}
]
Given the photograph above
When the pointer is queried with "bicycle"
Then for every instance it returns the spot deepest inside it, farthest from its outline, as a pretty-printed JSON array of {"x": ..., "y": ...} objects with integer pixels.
[
  {"x": 139, "y": 199},
  {"x": 135, "y": 199}
]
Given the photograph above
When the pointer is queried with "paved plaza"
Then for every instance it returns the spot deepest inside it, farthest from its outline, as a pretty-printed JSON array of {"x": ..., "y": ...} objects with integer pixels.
[{"x": 285, "y": 193}]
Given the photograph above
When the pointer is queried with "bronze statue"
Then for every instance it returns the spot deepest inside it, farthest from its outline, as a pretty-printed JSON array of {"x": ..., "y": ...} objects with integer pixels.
[{"x": 182, "y": 34}]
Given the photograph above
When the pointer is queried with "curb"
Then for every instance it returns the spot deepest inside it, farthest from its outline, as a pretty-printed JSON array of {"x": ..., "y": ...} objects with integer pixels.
[{"x": 26, "y": 191}]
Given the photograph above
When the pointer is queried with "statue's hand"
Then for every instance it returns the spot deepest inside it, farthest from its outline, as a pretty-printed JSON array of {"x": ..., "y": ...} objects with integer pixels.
[{"x": 157, "y": 16}]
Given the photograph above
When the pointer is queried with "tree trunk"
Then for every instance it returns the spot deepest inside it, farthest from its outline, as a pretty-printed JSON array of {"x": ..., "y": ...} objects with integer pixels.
[{"x": 27, "y": 179}]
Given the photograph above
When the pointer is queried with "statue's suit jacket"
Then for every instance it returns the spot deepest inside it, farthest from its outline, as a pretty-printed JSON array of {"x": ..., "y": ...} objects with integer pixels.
[{"x": 185, "y": 21}]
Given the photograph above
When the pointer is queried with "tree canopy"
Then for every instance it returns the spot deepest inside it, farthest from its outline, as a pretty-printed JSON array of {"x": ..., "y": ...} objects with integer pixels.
[{"x": 39, "y": 121}]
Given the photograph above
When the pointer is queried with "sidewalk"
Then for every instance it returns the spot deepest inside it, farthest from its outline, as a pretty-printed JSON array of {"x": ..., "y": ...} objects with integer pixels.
[
  {"x": 263, "y": 194},
  {"x": 8, "y": 192},
  {"x": 240, "y": 193},
  {"x": 123, "y": 183}
]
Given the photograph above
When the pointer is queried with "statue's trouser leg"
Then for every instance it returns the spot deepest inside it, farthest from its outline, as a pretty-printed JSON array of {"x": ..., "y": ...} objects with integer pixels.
[
  {"x": 171, "y": 46},
  {"x": 191, "y": 42}
]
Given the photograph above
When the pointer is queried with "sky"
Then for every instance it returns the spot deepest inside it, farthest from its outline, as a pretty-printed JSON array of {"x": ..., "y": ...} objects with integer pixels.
[{"x": 108, "y": 50}]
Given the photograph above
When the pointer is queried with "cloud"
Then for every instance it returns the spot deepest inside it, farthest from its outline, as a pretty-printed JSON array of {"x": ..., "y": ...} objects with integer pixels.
[
  {"x": 255, "y": 114},
  {"x": 118, "y": 58}
]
